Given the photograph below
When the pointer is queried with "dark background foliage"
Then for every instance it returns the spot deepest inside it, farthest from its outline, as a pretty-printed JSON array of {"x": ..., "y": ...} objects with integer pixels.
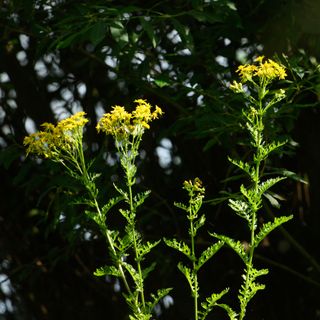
[{"x": 58, "y": 57}]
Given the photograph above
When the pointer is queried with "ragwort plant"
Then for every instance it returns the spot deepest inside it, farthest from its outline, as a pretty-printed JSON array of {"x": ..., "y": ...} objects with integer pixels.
[
  {"x": 196, "y": 193},
  {"x": 63, "y": 143},
  {"x": 260, "y": 98}
]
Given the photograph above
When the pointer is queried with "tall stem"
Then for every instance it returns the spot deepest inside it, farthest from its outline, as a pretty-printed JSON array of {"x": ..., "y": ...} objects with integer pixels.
[
  {"x": 256, "y": 180},
  {"x": 129, "y": 183},
  {"x": 195, "y": 294},
  {"x": 88, "y": 183}
]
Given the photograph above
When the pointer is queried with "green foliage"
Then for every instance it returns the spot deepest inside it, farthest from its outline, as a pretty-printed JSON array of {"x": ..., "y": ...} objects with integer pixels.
[
  {"x": 196, "y": 194},
  {"x": 266, "y": 228},
  {"x": 259, "y": 100},
  {"x": 237, "y": 246},
  {"x": 250, "y": 288},
  {"x": 208, "y": 253},
  {"x": 107, "y": 270},
  {"x": 210, "y": 303},
  {"x": 180, "y": 246}
]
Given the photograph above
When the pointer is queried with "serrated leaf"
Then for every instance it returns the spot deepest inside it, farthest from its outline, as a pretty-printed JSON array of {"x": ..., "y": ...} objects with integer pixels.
[
  {"x": 107, "y": 270},
  {"x": 161, "y": 293},
  {"x": 94, "y": 216},
  {"x": 210, "y": 303},
  {"x": 242, "y": 165},
  {"x": 270, "y": 226},
  {"x": 237, "y": 246},
  {"x": 199, "y": 223},
  {"x": 134, "y": 275},
  {"x": 179, "y": 246},
  {"x": 139, "y": 198},
  {"x": 267, "y": 149},
  {"x": 145, "y": 248},
  {"x": 146, "y": 271},
  {"x": 127, "y": 214},
  {"x": 231, "y": 313},
  {"x": 209, "y": 253},
  {"x": 241, "y": 208},
  {"x": 181, "y": 206},
  {"x": 123, "y": 193},
  {"x": 112, "y": 202},
  {"x": 191, "y": 278},
  {"x": 250, "y": 288},
  {"x": 266, "y": 185}
]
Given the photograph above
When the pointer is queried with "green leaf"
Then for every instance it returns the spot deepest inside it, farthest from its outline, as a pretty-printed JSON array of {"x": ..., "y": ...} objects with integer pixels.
[
  {"x": 148, "y": 28},
  {"x": 107, "y": 270},
  {"x": 127, "y": 214},
  {"x": 237, "y": 246},
  {"x": 161, "y": 83},
  {"x": 123, "y": 193},
  {"x": 243, "y": 166},
  {"x": 179, "y": 246},
  {"x": 273, "y": 201},
  {"x": 266, "y": 185},
  {"x": 210, "y": 303},
  {"x": 146, "y": 271},
  {"x": 199, "y": 223},
  {"x": 161, "y": 293},
  {"x": 135, "y": 275},
  {"x": 181, "y": 206},
  {"x": 250, "y": 288},
  {"x": 112, "y": 202},
  {"x": 209, "y": 253},
  {"x": 119, "y": 33},
  {"x": 231, "y": 313},
  {"x": 98, "y": 32},
  {"x": 139, "y": 199},
  {"x": 241, "y": 208},
  {"x": 145, "y": 248},
  {"x": 290, "y": 174},
  {"x": 267, "y": 149},
  {"x": 268, "y": 227},
  {"x": 191, "y": 278}
]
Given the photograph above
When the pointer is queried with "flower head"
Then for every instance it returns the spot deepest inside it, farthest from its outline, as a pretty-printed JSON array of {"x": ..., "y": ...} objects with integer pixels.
[
  {"x": 122, "y": 124},
  {"x": 194, "y": 186},
  {"x": 266, "y": 71},
  {"x": 53, "y": 141}
]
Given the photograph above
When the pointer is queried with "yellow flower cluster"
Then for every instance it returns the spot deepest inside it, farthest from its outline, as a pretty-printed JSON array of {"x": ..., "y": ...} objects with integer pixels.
[
  {"x": 56, "y": 139},
  {"x": 194, "y": 186},
  {"x": 266, "y": 71},
  {"x": 121, "y": 124}
]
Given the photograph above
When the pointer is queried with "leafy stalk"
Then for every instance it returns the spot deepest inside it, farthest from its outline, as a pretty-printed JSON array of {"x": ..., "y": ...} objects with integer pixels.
[
  {"x": 196, "y": 194},
  {"x": 258, "y": 78}
]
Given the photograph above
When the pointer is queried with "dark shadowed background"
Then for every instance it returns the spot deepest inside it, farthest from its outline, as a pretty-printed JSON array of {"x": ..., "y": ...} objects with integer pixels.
[{"x": 60, "y": 57}]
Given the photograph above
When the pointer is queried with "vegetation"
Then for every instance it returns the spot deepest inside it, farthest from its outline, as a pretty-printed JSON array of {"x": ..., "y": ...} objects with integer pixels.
[{"x": 74, "y": 61}]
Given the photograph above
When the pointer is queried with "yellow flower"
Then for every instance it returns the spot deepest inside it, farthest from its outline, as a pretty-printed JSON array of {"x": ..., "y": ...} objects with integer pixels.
[
  {"x": 121, "y": 124},
  {"x": 236, "y": 87},
  {"x": 246, "y": 72},
  {"x": 194, "y": 186},
  {"x": 52, "y": 141},
  {"x": 265, "y": 71}
]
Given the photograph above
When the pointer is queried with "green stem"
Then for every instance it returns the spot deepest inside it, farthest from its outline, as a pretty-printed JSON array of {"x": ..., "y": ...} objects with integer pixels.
[
  {"x": 195, "y": 294},
  {"x": 256, "y": 181},
  {"x": 135, "y": 241},
  {"x": 88, "y": 183}
]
